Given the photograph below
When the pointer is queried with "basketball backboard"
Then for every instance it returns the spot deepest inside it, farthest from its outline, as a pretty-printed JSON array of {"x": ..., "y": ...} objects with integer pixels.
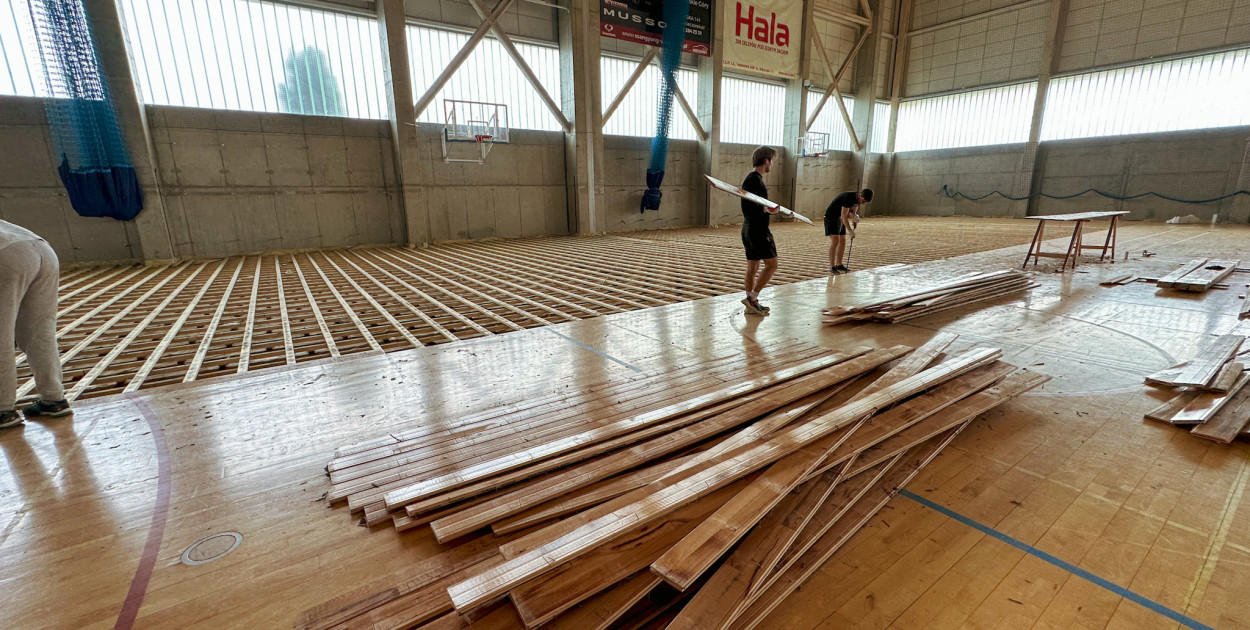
[{"x": 471, "y": 129}]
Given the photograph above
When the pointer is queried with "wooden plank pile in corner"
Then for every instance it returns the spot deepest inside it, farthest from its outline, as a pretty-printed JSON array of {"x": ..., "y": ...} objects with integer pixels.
[
  {"x": 1212, "y": 398},
  {"x": 963, "y": 290},
  {"x": 698, "y": 498}
]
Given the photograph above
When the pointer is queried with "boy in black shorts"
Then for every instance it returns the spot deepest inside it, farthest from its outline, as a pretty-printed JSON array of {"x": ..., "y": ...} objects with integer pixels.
[
  {"x": 841, "y": 217},
  {"x": 756, "y": 237}
]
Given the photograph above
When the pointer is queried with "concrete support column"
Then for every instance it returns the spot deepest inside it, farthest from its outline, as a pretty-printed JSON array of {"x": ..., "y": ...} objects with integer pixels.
[
  {"x": 110, "y": 40},
  {"x": 406, "y": 138},
  {"x": 1027, "y": 178},
  {"x": 582, "y": 104},
  {"x": 715, "y": 207},
  {"x": 1239, "y": 211},
  {"x": 866, "y": 95},
  {"x": 795, "y": 124}
]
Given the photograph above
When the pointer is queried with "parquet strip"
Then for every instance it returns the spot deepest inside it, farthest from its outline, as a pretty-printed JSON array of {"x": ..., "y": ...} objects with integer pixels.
[
  {"x": 540, "y": 601},
  {"x": 1227, "y": 377},
  {"x": 682, "y": 565},
  {"x": 451, "y": 481},
  {"x": 421, "y": 457},
  {"x": 590, "y": 495},
  {"x": 851, "y": 522},
  {"x": 1205, "y": 405},
  {"x": 1204, "y": 367},
  {"x": 603, "y": 610},
  {"x": 1229, "y": 421},
  {"x": 746, "y": 570},
  {"x": 1171, "y": 278},
  {"x": 668, "y": 442},
  {"x": 1166, "y": 411},
  {"x": 490, "y": 584}
]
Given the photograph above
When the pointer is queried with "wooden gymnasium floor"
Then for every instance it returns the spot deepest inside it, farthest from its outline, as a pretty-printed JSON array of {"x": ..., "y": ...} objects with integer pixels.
[
  {"x": 125, "y": 328},
  {"x": 1120, "y": 523}
]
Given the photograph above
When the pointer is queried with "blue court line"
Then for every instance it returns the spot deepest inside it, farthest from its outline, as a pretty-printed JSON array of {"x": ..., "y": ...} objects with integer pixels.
[
  {"x": 594, "y": 350},
  {"x": 1062, "y": 564}
]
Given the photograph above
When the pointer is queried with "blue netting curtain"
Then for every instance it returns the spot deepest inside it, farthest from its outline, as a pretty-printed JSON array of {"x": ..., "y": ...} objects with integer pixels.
[
  {"x": 95, "y": 168},
  {"x": 672, "y": 37}
]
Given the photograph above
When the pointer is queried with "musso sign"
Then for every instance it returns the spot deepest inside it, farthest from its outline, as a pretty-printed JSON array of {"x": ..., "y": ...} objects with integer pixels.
[{"x": 642, "y": 21}]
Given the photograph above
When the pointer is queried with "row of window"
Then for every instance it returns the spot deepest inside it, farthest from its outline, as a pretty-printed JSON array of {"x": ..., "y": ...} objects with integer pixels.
[{"x": 267, "y": 56}]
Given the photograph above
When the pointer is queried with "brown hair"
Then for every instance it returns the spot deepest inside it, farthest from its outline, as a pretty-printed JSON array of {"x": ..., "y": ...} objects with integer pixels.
[
  {"x": 761, "y": 155},
  {"x": 866, "y": 194}
]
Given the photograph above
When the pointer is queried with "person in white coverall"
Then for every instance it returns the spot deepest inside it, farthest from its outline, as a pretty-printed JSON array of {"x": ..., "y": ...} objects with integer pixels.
[{"x": 29, "y": 275}]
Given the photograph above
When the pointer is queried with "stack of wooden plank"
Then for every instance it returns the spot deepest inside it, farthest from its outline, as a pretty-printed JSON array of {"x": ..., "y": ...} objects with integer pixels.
[
  {"x": 1212, "y": 398},
  {"x": 966, "y": 289},
  {"x": 698, "y": 500},
  {"x": 1199, "y": 274}
]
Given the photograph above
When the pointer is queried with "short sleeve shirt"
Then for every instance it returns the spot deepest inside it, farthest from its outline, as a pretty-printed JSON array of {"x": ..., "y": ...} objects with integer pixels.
[{"x": 754, "y": 216}]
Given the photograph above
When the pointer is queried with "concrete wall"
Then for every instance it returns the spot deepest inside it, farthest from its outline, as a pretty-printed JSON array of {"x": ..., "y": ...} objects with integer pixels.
[
  {"x": 917, "y": 177},
  {"x": 518, "y": 191},
  {"x": 1102, "y": 32},
  {"x": 31, "y": 193},
  {"x": 625, "y": 174},
  {"x": 237, "y": 182},
  {"x": 1186, "y": 165},
  {"x": 994, "y": 49}
]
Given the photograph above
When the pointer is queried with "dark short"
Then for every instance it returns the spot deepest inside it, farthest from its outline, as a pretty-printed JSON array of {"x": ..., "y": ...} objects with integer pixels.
[
  {"x": 833, "y": 225},
  {"x": 759, "y": 244}
]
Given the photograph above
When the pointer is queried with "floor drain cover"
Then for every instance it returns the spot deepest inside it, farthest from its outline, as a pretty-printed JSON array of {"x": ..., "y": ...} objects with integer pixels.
[{"x": 205, "y": 550}]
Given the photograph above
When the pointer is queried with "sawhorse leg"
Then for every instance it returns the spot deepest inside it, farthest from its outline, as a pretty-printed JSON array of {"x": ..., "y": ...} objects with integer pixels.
[
  {"x": 1036, "y": 246},
  {"x": 1074, "y": 247},
  {"x": 1110, "y": 242}
]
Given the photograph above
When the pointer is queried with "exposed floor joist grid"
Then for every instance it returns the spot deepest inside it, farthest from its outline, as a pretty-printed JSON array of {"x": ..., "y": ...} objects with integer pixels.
[{"x": 122, "y": 328}]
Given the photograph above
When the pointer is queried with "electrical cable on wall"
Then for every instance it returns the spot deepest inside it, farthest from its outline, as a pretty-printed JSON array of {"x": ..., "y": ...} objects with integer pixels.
[
  {"x": 955, "y": 195},
  {"x": 95, "y": 167},
  {"x": 672, "y": 38}
]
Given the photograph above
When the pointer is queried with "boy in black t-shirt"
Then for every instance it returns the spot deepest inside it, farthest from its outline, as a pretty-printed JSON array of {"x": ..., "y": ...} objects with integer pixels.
[
  {"x": 841, "y": 218},
  {"x": 756, "y": 237}
]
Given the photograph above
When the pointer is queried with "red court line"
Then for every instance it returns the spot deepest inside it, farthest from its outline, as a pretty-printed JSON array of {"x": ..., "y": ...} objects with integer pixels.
[{"x": 160, "y": 512}]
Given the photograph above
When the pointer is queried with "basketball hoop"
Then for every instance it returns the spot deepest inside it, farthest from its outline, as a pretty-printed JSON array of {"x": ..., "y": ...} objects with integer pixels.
[
  {"x": 474, "y": 123},
  {"x": 814, "y": 144}
]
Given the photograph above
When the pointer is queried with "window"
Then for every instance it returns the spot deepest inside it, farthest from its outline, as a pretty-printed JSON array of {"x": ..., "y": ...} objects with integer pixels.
[
  {"x": 21, "y": 72},
  {"x": 489, "y": 74},
  {"x": 257, "y": 56},
  {"x": 752, "y": 112},
  {"x": 636, "y": 115},
  {"x": 880, "y": 127},
  {"x": 830, "y": 120},
  {"x": 999, "y": 115},
  {"x": 1193, "y": 93}
]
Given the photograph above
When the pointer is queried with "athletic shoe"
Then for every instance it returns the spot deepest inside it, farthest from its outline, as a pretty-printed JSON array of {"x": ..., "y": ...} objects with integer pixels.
[
  {"x": 753, "y": 307},
  {"x": 833, "y": 271},
  {"x": 10, "y": 419},
  {"x": 843, "y": 269},
  {"x": 48, "y": 409}
]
